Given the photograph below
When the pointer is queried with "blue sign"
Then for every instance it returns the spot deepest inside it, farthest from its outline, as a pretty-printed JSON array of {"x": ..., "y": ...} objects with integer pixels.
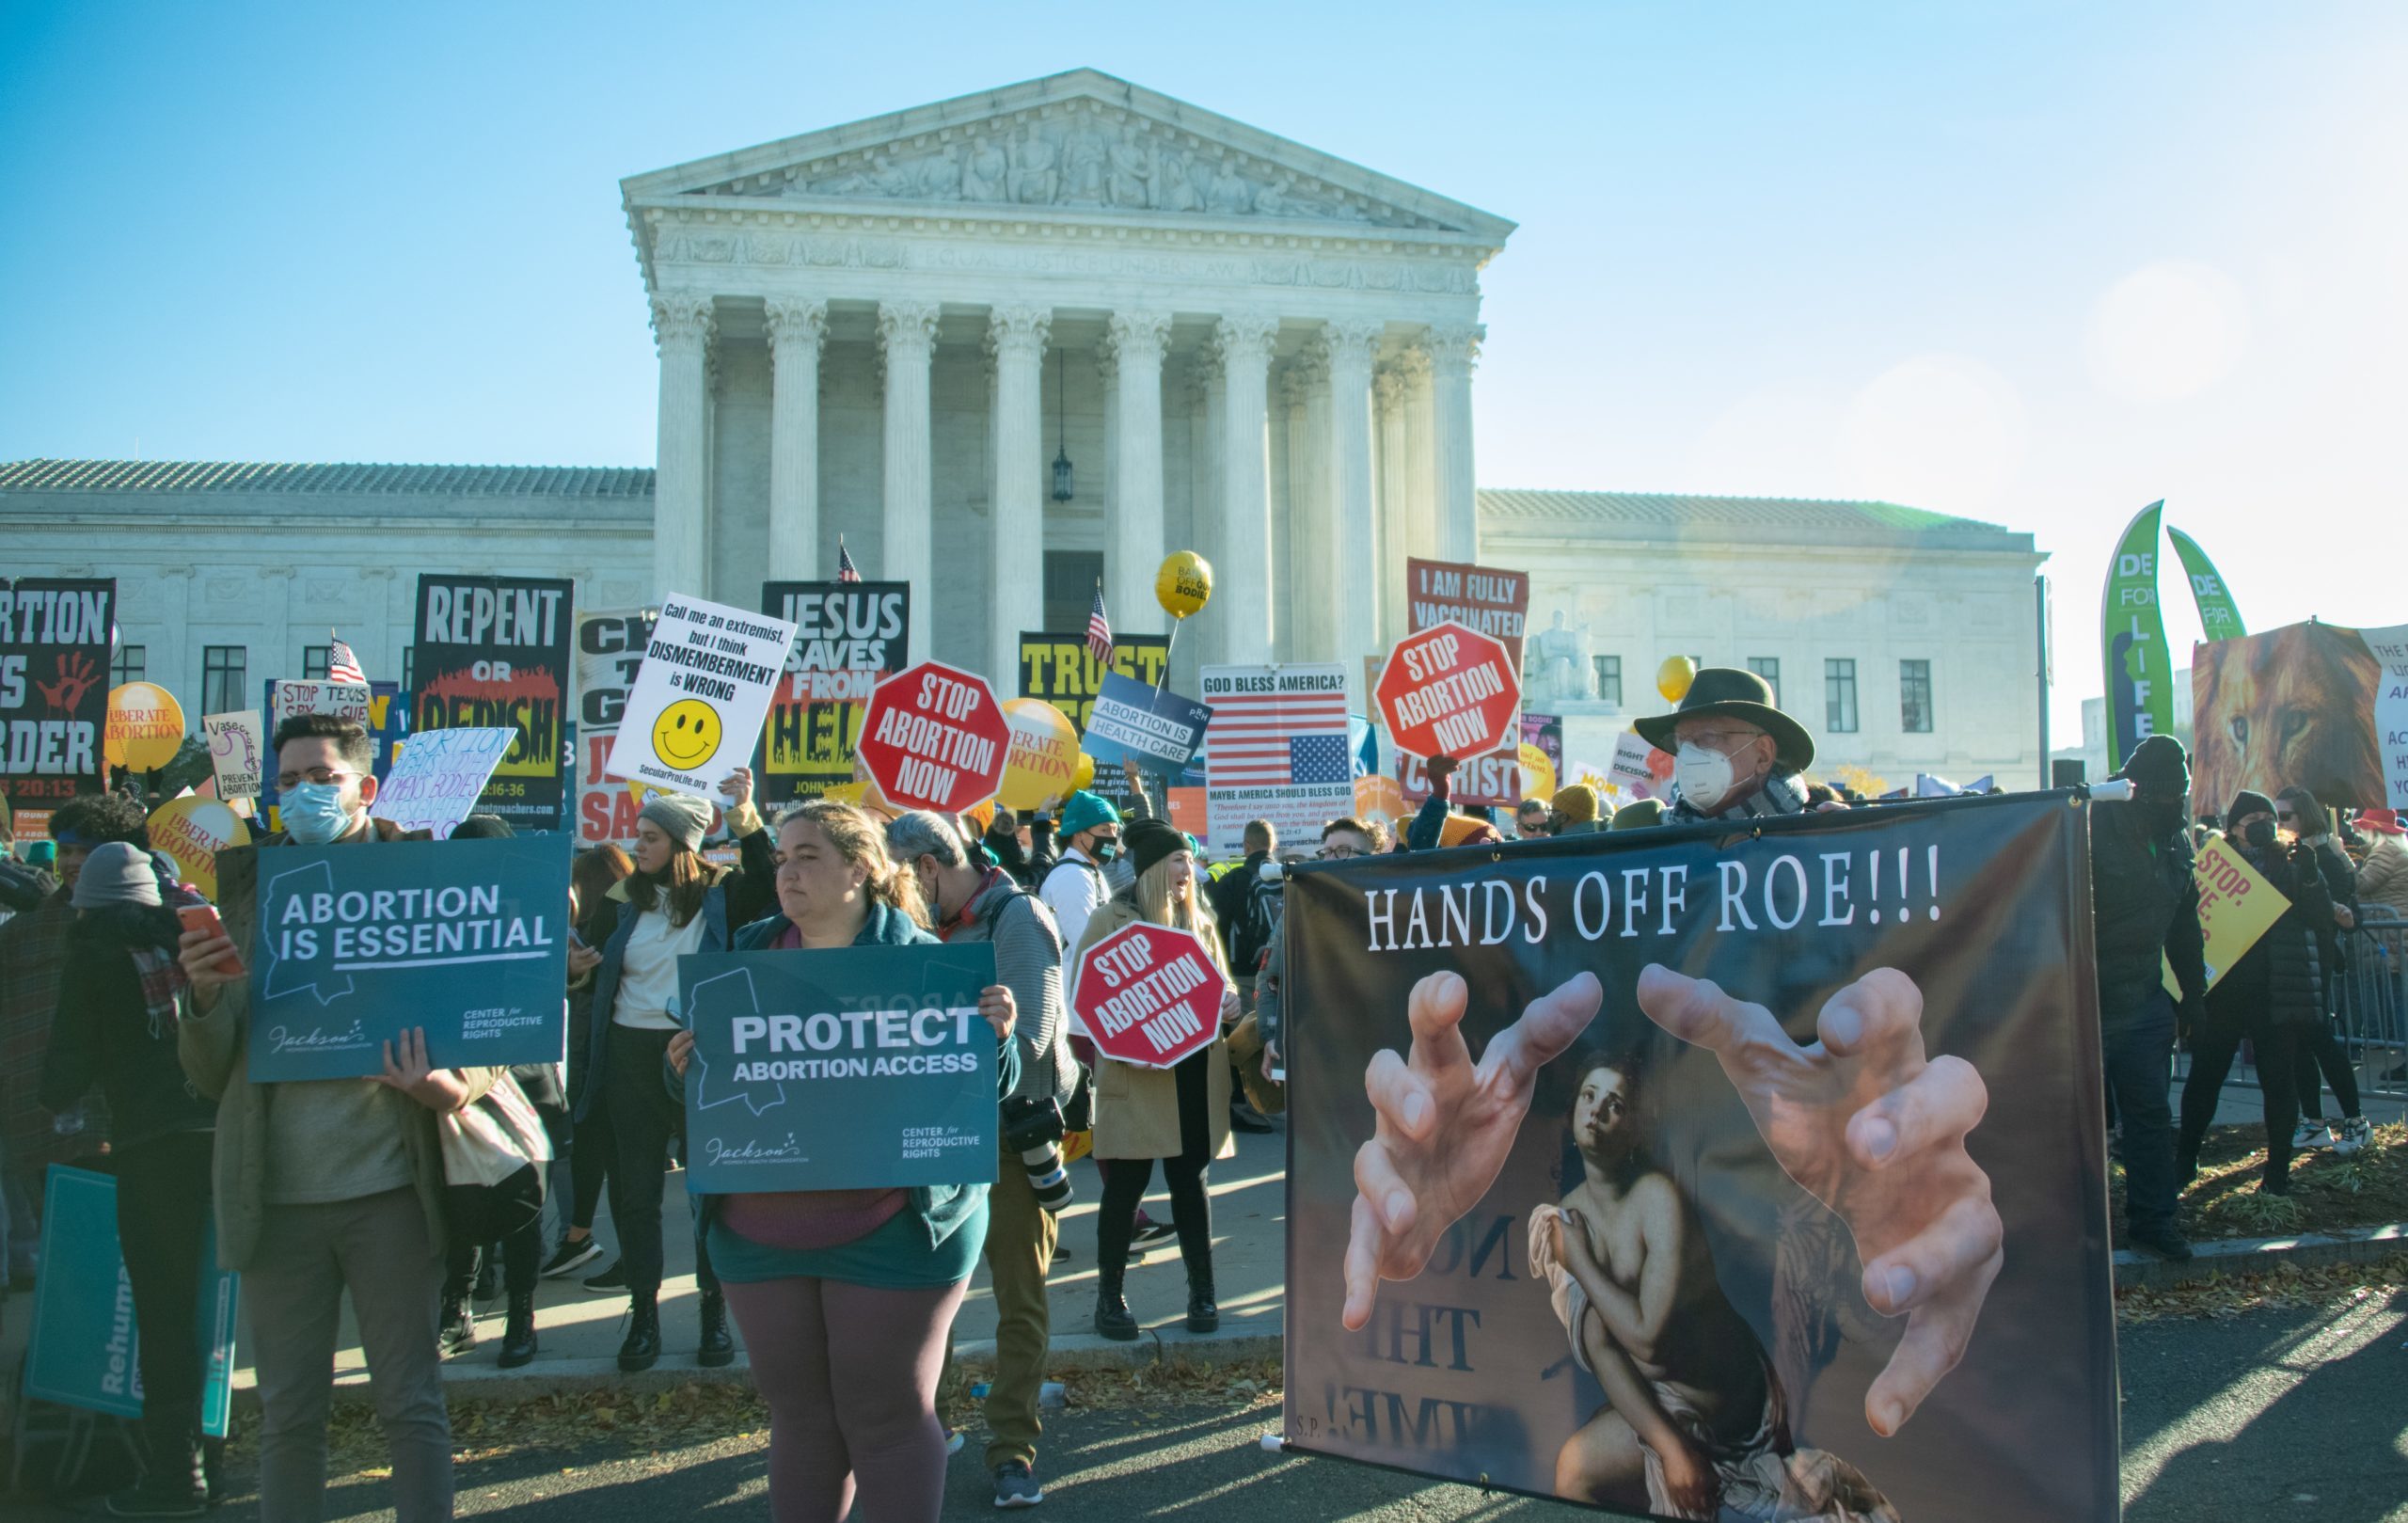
[
  {"x": 858, "y": 1068},
  {"x": 467, "y": 938},
  {"x": 1137, "y": 725},
  {"x": 87, "y": 1349}
]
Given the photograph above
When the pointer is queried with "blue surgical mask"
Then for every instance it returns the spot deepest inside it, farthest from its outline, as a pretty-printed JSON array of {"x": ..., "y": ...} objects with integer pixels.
[{"x": 313, "y": 812}]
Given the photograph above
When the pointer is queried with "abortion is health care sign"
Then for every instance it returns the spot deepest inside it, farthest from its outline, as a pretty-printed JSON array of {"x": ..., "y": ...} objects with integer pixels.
[
  {"x": 354, "y": 945},
  {"x": 858, "y": 1068},
  {"x": 699, "y": 700}
]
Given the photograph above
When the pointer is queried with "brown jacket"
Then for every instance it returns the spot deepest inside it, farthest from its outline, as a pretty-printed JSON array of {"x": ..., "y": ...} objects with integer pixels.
[{"x": 1136, "y": 1109}]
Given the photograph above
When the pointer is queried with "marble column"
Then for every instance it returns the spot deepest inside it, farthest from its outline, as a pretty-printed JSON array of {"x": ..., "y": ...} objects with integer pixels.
[
  {"x": 1354, "y": 620},
  {"x": 796, "y": 331},
  {"x": 1391, "y": 389},
  {"x": 1454, "y": 351},
  {"x": 1205, "y": 399},
  {"x": 907, "y": 332},
  {"x": 1017, "y": 576},
  {"x": 1420, "y": 479},
  {"x": 1134, "y": 549},
  {"x": 682, "y": 324},
  {"x": 1310, "y": 634},
  {"x": 1244, "y": 341}
]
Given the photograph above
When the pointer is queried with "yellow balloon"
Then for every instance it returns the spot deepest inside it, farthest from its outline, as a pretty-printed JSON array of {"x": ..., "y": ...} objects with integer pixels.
[
  {"x": 1674, "y": 677},
  {"x": 1538, "y": 773},
  {"x": 1184, "y": 585},
  {"x": 1042, "y": 764},
  {"x": 1085, "y": 776},
  {"x": 145, "y": 726}
]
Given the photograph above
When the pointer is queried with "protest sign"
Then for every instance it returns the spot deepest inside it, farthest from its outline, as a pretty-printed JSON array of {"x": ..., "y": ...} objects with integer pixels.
[
  {"x": 494, "y": 651},
  {"x": 610, "y": 653},
  {"x": 1278, "y": 751},
  {"x": 2389, "y": 647},
  {"x": 237, "y": 751},
  {"x": 55, "y": 636},
  {"x": 935, "y": 739},
  {"x": 1142, "y": 726},
  {"x": 1493, "y": 779},
  {"x": 847, "y": 636},
  {"x": 146, "y": 727},
  {"x": 2295, "y": 706},
  {"x": 1538, "y": 773},
  {"x": 467, "y": 938},
  {"x": 1470, "y": 1332},
  {"x": 1449, "y": 692},
  {"x": 2237, "y": 906},
  {"x": 1148, "y": 994},
  {"x": 192, "y": 831},
  {"x": 439, "y": 778},
  {"x": 1040, "y": 768},
  {"x": 1062, "y": 670},
  {"x": 859, "y": 1068},
  {"x": 1637, "y": 770},
  {"x": 2140, "y": 669},
  {"x": 1493, "y": 601},
  {"x": 699, "y": 699},
  {"x": 85, "y": 1347}
]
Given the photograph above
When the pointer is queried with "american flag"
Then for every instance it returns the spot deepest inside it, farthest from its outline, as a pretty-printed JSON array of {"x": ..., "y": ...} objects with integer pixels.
[
  {"x": 342, "y": 665},
  {"x": 846, "y": 570},
  {"x": 1278, "y": 740},
  {"x": 1099, "y": 631}
]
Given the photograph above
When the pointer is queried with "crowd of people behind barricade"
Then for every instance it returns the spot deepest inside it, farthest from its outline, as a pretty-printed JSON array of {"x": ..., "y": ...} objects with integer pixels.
[{"x": 123, "y": 1033}]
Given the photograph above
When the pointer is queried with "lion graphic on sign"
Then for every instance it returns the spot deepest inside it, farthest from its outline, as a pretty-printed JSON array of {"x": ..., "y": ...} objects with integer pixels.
[{"x": 2291, "y": 707}]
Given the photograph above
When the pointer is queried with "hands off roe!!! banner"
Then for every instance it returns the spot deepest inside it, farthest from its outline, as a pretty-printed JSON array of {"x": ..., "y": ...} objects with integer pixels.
[
  {"x": 494, "y": 651},
  {"x": 1710, "y": 1176}
]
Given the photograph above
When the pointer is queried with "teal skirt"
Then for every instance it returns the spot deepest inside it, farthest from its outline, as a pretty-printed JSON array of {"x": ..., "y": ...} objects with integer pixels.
[{"x": 895, "y": 1257}]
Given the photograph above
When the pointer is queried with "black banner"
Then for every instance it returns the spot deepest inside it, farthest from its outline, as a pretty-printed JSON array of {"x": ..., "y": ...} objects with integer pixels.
[
  {"x": 1827, "y": 1241},
  {"x": 847, "y": 635},
  {"x": 495, "y": 651},
  {"x": 55, "y": 640}
]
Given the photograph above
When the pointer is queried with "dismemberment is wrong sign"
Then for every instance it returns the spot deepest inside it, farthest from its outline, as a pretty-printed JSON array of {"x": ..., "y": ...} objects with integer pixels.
[
  {"x": 1705, "y": 1175},
  {"x": 699, "y": 696},
  {"x": 860, "y": 1068},
  {"x": 356, "y": 945}
]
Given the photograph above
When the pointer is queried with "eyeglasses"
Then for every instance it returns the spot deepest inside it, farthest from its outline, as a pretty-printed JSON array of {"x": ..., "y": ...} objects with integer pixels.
[
  {"x": 315, "y": 774},
  {"x": 1339, "y": 853},
  {"x": 1718, "y": 739}
]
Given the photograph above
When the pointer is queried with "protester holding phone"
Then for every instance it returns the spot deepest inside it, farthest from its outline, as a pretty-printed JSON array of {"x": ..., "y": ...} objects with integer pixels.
[{"x": 845, "y": 1297}]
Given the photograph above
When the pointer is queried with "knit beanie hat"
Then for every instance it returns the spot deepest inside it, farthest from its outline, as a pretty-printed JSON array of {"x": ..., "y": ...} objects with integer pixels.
[
  {"x": 1577, "y": 803},
  {"x": 1148, "y": 841},
  {"x": 116, "y": 873},
  {"x": 1084, "y": 811},
  {"x": 2159, "y": 758},
  {"x": 1639, "y": 814},
  {"x": 682, "y": 815},
  {"x": 2247, "y": 802}
]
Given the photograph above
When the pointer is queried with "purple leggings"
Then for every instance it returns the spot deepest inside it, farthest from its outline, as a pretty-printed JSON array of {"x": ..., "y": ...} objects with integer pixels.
[{"x": 849, "y": 1373}]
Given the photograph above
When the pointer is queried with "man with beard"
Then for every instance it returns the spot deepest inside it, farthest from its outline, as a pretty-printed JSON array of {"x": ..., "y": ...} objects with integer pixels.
[{"x": 1696, "y": 1421}]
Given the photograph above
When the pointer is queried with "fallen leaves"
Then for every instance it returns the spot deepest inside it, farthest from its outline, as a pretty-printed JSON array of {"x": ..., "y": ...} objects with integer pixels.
[{"x": 2222, "y": 1296}]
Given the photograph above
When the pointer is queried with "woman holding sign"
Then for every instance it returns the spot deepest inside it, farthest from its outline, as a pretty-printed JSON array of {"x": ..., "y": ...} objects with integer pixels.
[
  {"x": 1179, "y": 1115},
  {"x": 845, "y": 1296}
]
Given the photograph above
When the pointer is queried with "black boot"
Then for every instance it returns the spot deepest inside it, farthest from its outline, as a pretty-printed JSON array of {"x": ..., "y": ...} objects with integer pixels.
[
  {"x": 642, "y": 1349},
  {"x": 459, "y": 1334},
  {"x": 1203, "y": 1316},
  {"x": 1112, "y": 1317},
  {"x": 518, "y": 1335},
  {"x": 717, "y": 1347},
  {"x": 172, "y": 1483}
]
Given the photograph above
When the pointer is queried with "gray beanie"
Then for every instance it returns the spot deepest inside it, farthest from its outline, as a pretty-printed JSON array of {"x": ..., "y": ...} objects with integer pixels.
[
  {"x": 116, "y": 873},
  {"x": 683, "y": 816}
]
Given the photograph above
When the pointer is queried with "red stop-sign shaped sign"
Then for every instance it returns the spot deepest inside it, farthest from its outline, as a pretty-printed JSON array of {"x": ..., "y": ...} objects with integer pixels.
[
  {"x": 1150, "y": 995},
  {"x": 1450, "y": 691},
  {"x": 934, "y": 738}
]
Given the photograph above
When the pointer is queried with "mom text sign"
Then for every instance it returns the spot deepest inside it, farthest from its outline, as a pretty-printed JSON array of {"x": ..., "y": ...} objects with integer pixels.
[
  {"x": 467, "y": 939},
  {"x": 494, "y": 652},
  {"x": 935, "y": 739},
  {"x": 1452, "y": 692},
  {"x": 859, "y": 1068},
  {"x": 1150, "y": 995}
]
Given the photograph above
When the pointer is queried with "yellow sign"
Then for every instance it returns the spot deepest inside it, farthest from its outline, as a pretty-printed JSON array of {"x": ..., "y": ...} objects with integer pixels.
[
  {"x": 145, "y": 726},
  {"x": 1184, "y": 585},
  {"x": 1043, "y": 764},
  {"x": 192, "y": 829},
  {"x": 1538, "y": 773},
  {"x": 2237, "y": 906}
]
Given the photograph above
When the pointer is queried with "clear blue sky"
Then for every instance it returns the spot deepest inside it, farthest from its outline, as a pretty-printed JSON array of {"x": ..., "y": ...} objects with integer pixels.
[{"x": 2036, "y": 262}]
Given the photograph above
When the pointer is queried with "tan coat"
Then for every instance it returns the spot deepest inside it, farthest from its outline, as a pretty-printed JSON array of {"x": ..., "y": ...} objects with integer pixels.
[{"x": 1136, "y": 1109}]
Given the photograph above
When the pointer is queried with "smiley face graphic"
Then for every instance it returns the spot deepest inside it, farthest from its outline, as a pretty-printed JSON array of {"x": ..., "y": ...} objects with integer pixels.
[{"x": 686, "y": 734}]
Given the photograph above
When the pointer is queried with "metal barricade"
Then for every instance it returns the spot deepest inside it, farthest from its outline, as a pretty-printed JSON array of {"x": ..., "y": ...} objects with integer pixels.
[{"x": 2371, "y": 1000}]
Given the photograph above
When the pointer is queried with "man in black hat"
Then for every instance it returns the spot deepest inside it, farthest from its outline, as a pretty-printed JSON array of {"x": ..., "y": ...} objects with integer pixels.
[
  {"x": 2146, "y": 905},
  {"x": 1735, "y": 753}
]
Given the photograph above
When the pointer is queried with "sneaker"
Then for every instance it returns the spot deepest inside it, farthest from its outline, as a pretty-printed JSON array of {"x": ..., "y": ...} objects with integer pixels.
[
  {"x": 2311, "y": 1135},
  {"x": 2354, "y": 1133},
  {"x": 570, "y": 1255},
  {"x": 613, "y": 1279},
  {"x": 954, "y": 1440},
  {"x": 134, "y": 1501},
  {"x": 1245, "y": 1117},
  {"x": 1150, "y": 1230},
  {"x": 2164, "y": 1243},
  {"x": 1016, "y": 1485},
  {"x": 1061, "y": 1254}
]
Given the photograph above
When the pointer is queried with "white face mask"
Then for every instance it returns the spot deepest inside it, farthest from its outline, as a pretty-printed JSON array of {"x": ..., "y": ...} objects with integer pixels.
[{"x": 1703, "y": 773}]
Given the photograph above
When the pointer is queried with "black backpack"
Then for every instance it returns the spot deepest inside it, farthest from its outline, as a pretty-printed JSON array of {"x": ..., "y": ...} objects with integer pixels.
[{"x": 1251, "y": 939}]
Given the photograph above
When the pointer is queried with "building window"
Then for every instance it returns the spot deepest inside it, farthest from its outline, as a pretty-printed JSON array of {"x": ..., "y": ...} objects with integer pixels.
[
  {"x": 1914, "y": 697},
  {"x": 1839, "y": 697},
  {"x": 223, "y": 676},
  {"x": 314, "y": 661},
  {"x": 129, "y": 665},
  {"x": 1768, "y": 668},
  {"x": 1608, "y": 677},
  {"x": 1070, "y": 581}
]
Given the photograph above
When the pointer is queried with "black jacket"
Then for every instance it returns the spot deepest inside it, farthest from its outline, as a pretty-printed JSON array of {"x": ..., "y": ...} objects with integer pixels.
[
  {"x": 2144, "y": 905},
  {"x": 2279, "y": 981},
  {"x": 1232, "y": 895},
  {"x": 104, "y": 1032}
]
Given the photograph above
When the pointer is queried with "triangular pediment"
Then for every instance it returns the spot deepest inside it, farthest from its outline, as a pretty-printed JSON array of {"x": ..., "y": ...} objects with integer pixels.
[{"x": 1077, "y": 144}]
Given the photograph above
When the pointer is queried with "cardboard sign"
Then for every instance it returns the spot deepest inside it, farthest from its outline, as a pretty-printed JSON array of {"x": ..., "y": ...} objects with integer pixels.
[
  {"x": 848, "y": 636},
  {"x": 55, "y": 640},
  {"x": 287, "y": 697},
  {"x": 1452, "y": 692},
  {"x": 1487, "y": 599},
  {"x": 86, "y": 1350},
  {"x": 707, "y": 677},
  {"x": 1141, "y": 726},
  {"x": 1637, "y": 770},
  {"x": 2237, "y": 906},
  {"x": 1150, "y": 995},
  {"x": 1278, "y": 751},
  {"x": 467, "y": 938},
  {"x": 237, "y": 751},
  {"x": 192, "y": 831},
  {"x": 860, "y": 1068},
  {"x": 935, "y": 739},
  {"x": 439, "y": 778}
]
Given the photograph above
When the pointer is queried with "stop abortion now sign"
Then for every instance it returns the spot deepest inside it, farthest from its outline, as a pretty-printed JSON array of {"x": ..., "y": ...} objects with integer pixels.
[
  {"x": 934, "y": 738},
  {"x": 1450, "y": 691},
  {"x": 1150, "y": 995}
]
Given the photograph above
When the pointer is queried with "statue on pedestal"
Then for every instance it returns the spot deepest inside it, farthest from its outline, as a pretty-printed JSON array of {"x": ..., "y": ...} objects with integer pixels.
[{"x": 1563, "y": 672}]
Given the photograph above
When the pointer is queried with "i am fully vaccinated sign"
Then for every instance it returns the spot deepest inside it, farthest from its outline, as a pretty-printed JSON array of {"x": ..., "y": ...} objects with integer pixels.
[{"x": 358, "y": 944}]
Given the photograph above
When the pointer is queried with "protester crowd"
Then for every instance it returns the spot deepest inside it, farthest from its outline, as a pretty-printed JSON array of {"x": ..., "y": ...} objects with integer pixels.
[{"x": 123, "y": 1032}]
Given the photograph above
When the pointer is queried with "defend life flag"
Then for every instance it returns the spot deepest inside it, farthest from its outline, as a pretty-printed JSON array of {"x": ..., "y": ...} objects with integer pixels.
[
  {"x": 849, "y": 635},
  {"x": 2139, "y": 669},
  {"x": 55, "y": 639},
  {"x": 2218, "y": 618},
  {"x": 494, "y": 651}
]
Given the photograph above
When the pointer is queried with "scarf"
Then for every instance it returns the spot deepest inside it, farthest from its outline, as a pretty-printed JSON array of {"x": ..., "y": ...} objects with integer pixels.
[{"x": 1779, "y": 795}]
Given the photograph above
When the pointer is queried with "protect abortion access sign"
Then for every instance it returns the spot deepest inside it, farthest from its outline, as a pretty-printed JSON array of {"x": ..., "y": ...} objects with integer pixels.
[{"x": 356, "y": 945}]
